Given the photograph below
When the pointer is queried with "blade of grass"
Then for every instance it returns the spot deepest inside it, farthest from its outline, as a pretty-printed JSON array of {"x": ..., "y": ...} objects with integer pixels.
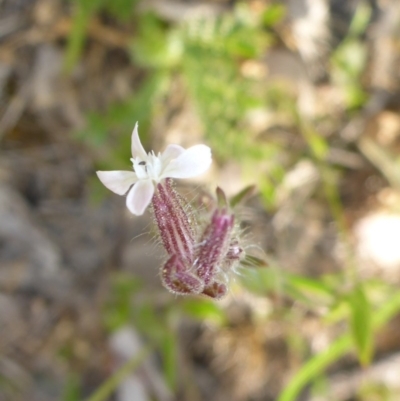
[
  {"x": 361, "y": 324},
  {"x": 106, "y": 389}
]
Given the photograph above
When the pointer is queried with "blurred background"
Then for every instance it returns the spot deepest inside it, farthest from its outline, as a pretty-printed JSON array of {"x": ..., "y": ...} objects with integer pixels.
[{"x": 300, "y": 98}]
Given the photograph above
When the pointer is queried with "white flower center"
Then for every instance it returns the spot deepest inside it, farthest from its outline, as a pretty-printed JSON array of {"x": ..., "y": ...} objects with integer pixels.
[{"x": 150, "y": 168}]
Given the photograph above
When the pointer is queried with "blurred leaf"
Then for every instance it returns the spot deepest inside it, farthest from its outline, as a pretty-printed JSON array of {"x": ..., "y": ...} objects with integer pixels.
[
  {"x": 221, "y": 198},
  {"x": 253, "y": 261},
  {"x": 356, "y": 97},
  {"x": 169, "y": 354},
  {"x": 214, "y": 51},
  {"x": 77, "y": 36},
  {"x": 268, "y": 193},
  {"x": 350, "y": 59},
  {"x": 155, "y": 46},
  {"x": 338, "y": 312},
  {"x": 72, "y": 390},
  {"x": 265, "y": 281},
  {"x": 122, "y": 9},
  {"x": 202, "y": 309},
  {"x": 90, "y": 6},
  {"x": 148, "y": 321},
  {"x": 273, "y": 14},
  {"x": 318, "y": 145},
  {"x": 313, "y": 289},
  {"x": 361, "y": 324},
  {"x": 242, "y": 195},
  {"x": 117, "y": 312},
  {"x": 382, "y": 159},
  {"x": 361, "y": 19}
]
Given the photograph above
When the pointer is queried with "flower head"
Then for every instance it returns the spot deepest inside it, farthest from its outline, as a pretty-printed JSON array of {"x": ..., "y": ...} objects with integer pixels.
[
  {"x": 200, "y": 259},
  {"x": 151, "y": 169}
]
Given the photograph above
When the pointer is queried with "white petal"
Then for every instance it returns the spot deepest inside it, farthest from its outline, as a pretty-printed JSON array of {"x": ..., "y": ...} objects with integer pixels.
[
  {"x": 140, "y": 196},
  {"x": 137, "y": 148},
  {"x": 192, "y": 162},
  {"x": 117, "y": 181},
  {"x": 171, "y": 152}
]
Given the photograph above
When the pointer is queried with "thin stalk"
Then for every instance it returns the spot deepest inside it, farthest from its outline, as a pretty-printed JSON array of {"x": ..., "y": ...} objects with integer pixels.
[{"x": 107, "y": 388}]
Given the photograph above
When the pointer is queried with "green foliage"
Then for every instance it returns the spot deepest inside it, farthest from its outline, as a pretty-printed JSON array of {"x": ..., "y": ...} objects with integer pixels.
[
  {"x": 122, "y": 9},
  {"x": 222, "y": 95},
  {"x": 338, "y": 348},
  {"x": 349, "y": 60},
  {"x": 361, "y": 324},
  {"x": 203, "y": 310},
  {"x": 83, "y": 11},
  {"x": 273, "y": 14},
  {"x": 273, "y": 280},
  {"x": 156, "y": 46}
]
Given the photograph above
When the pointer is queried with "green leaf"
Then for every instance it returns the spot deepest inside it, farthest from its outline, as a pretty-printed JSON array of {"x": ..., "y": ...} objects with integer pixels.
[
  {"x": 273, "y": 14},
  {"x": 155, "y": 46},
  {"x": 312, "y": 288},
  {"x": 254, "y": 261},
  {"x": 169, "y": 355},
  {"x": 122, "y": 9},
  {"x": 339, "y": 311},
  {"x": 361, "y": 19},
  {"x": 201, "y": 309},
  {"x": 268, "y": 193},
  {"x": 221, "y": 198},
  {"x": 242, "y": 195},
  {"x": 264, "y": 281},
  {"x": 83, "y": 11},
  {"x": 72, "y": 390},
  {"x": 361, "y": 324},
  {"x": 316, "y": 142}
]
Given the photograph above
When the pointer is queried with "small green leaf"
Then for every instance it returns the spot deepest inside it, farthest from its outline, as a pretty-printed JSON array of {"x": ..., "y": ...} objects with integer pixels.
[
  {"x": 169, "y": 355},
  {"x": 155, "y": 46},
  {"x": 338, "y": 312},
  {"x": 242, "y": 195},
  {"x": 312, "y": 288},
  {"x": 273, "y": 14},
  {"x": 361, "y": 324},
  {"x": 254, "y": 261},
  {"x": 221, "y": 198},
  {"x": 316, "y": 142},
  {"x": 268, "y": 193},
  {"x": 360, "y": 20},
  {"x": 204, "y": 310}
]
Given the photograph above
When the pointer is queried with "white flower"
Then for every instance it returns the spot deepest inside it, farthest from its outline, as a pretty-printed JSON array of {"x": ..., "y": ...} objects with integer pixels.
[{"x": 174, "y": 162}]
